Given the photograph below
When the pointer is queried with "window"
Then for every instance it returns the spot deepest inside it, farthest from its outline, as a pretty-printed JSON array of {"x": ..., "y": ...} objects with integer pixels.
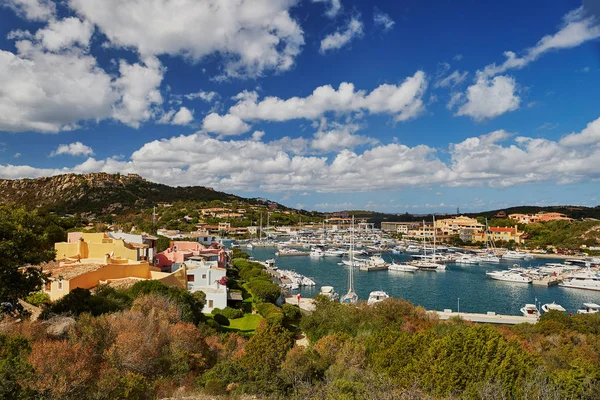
[
  {"x": 190, "y": 278},
  {"x": 203, "y": 276},
  {"x": 210, "y": 304},
  {"x": 48, "y": 286},
  {"x": 59, "y": 284}
]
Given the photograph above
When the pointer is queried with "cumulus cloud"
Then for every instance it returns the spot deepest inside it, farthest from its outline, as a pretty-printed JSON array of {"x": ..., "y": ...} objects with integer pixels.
[
  {"x": 226, "y": 125},
  {"x": 404, "y": 101},
  {"x": 73, "y": 149},
  {"x": 337, "y": 40},
  {"x": 334, "y": 7},
  {"x": 490, "y": 97},
  {"x": 590, "y": 135},
  {"x": 341, "y": 137},
  {"x": 35, "y": 10},
  {"x": 63, "y": 34},
  {"x": 497, "y": 159},
  {"x": 383, "y": 20},
  {"x": 251, "y": 37},
  {"x": 578, "y": 27},
  {"x": 182, "y": 117}
]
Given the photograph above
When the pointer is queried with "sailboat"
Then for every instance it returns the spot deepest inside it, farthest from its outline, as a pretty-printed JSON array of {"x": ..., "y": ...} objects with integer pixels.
[
  {"x": 351, "y": 297},
  {"x": 490, "y": 254},
  {"x": 423, "y": 264}
]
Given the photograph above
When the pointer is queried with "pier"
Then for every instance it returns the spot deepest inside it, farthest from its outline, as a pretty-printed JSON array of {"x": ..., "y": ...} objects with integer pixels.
[{"x": 489, "y": 318}]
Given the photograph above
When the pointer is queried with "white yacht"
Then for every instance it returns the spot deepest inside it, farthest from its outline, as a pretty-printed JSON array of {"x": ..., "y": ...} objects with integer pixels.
[
  {"x": 373, "y": 263},
  {"x": 395, "y": 266},
  {"x": 351, "y": 297},
  {"x": 512, "y": 275},
  {"x": 317, "y": 252},
  {"x": 330, "y": 293},
  {"x": 583, "y": 280},
  {"x": 334, "y": 253},
  {"x": 291, "y": 252},
  {"x": 552, "y": 306},
  {"x": 530, "y": 310},
  {"x": 428, "y": 265},
  {"x": 413, "y": 249},
  {"x": 467, "y": 259},
  {"x": 589, "y": 308},
  {"x": 514, "y": 255},
  {"x": 377, "y": 296},
  {"x": 488, "y": 258}
]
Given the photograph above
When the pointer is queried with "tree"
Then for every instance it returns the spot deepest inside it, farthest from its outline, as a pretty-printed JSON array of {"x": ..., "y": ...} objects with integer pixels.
[{"x": 24, "y": 243}]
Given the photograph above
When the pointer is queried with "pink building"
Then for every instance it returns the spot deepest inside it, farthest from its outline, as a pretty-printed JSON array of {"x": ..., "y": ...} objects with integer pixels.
[{"x": 181, "y": 251}]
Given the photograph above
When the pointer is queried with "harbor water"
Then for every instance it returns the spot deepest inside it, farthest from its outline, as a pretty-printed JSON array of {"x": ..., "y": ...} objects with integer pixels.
[{"x": 466, "y": 285}]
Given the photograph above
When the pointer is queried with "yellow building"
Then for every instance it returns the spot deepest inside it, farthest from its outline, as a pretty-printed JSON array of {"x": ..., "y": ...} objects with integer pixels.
[
  {"x": 500, "y": 234},
  {"x": 453, "y": 226},
  {"x": 66, "y": 275},
  {"x": 97, "y": 245}
]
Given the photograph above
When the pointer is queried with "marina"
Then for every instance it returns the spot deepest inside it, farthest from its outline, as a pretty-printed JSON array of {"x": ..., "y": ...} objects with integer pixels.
[{"x": 465, "y": 284}]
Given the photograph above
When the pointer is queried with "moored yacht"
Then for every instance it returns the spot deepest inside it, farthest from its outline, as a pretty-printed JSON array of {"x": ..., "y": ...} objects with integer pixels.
[
  {"x": 428, "y": 265},
  {"x": 395, "y": 266},
  {"x": 317, "y": 252},
  {"x": 552, "y": 306},
  {"x": 467, "y": 259},
  {"x": 374, "y": 263},
  {"x": 589, "y": 308},
  {"x": 514, "y": 255},
  {"x": 377, "y": 296},
  {"x": 334, "y": 253},
  {"x": 512, "y": 275},
  {"x": 330, "y": 293},
  {"x": 530, "y": 310},
  {"x": 583, "y": 280}
]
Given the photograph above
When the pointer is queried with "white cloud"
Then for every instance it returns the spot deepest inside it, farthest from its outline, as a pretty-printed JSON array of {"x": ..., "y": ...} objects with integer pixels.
[
  {"x": 227, "y": 125},
  {"x": 457, "y": 57},
  {"x": 339, "y": 39},
  {"x": 577, "y": 28},
  {"x": 455, "y": 98},
  {"x": 451, "y": 80},
  {"x": 63, "y": 34},
  {"x": 334, "y": 7},
  {"x": 382, "y": 20},
  {"x": 47, "y": 92},
  {"x": 258, "y": 135},
  {"x": 73, "y": 149},
  {"x": 206, "y": 96},
  {"x": 17, "y": 155},
  {"x": 590, "y": 135},
  {"x": 251, "y": 37},
  {"x": 339, "y": 138},
  {"x": 139, "y": 85},
  {"x": 183, "y": 117},
  {"x": 35, "y": 10},
  {"x": 497, "y": 159},
  {"x": 404, "y": 101},
  {"x": 489, "y": 98}
]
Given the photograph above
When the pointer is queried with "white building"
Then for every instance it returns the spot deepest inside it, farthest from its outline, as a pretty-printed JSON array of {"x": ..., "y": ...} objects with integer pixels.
[{"x": 204, "y": 274}]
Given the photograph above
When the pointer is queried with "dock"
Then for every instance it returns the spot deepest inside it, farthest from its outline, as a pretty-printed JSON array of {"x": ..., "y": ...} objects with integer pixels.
[{"x": 489, "y": 318}]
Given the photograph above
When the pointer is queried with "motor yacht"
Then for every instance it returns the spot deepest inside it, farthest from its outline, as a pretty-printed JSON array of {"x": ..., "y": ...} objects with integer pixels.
[
  {"x": 330, "y": 293},
  {"x": 395, "y": 266},
  {"x": 467, "y": 259},
  {"x": 334, "y": 253},
  {"x": 552, "y": 306},
  {"x": 530, "y": 310},
  {"x": 291, "y": 252},
  {"x": 488, "y": 258},
  {"x": 428, "y": 265},
  {"x": 377, "y": 296},
  {"x": 374, "y": 263},
  {"x": 514, "y": 255},
  {"x": 589, "y": 308},
  {"x": 512, "y": 275},
  {"x": 317, "y": 252},
  {"x": 583, "y": 280}
]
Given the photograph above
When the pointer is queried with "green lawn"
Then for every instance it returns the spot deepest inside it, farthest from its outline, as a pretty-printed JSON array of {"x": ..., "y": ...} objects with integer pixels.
[{"x": 247, "y": 324}]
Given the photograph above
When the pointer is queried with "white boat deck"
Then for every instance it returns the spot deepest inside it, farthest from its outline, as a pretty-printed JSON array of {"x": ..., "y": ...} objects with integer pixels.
[{"x": 489, "y": 318}]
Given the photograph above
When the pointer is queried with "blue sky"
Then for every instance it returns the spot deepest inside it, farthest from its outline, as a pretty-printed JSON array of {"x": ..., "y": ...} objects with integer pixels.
[{"x": 321, "y": 104}]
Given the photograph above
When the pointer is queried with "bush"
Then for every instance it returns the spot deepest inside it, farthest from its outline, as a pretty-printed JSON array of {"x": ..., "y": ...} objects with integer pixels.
[
  {"x": 291, "y": 312},
  {"x": 191, "y": 304},
  {"x": 265, "y": 290},
  {"x": 213, "y": 324},
  {"x": 79, "y": 301},
  {"x": 231, "y": 313},
  {"x": 221, "y": 319},
  {"x": 38, "y": 298},
  {"x": 270, "y": 312}
]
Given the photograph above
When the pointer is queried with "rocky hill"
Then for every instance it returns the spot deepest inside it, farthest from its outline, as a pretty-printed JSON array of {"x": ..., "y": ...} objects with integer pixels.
[{"x": 99, "y": 193}]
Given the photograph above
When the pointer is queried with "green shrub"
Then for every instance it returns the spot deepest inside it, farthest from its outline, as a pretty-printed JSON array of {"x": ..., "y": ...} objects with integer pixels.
[
  {"x": 291, "y": 312},
  {"x": 214, "y": 387},
  {"x": 38, "y": 299},
  {"x": 265, "y": 290},
  {"x": 231, "y": 313},
  {"x": 221, "y": 319},
  {"x": 270, "y": 312},
  {"x": 213, "y": 324}
]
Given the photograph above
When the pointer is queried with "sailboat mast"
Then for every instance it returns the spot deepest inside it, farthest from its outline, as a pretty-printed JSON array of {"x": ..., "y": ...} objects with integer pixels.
[
  {"x": 351, "y": 280},
  {"x": 434, "y": 238}
]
